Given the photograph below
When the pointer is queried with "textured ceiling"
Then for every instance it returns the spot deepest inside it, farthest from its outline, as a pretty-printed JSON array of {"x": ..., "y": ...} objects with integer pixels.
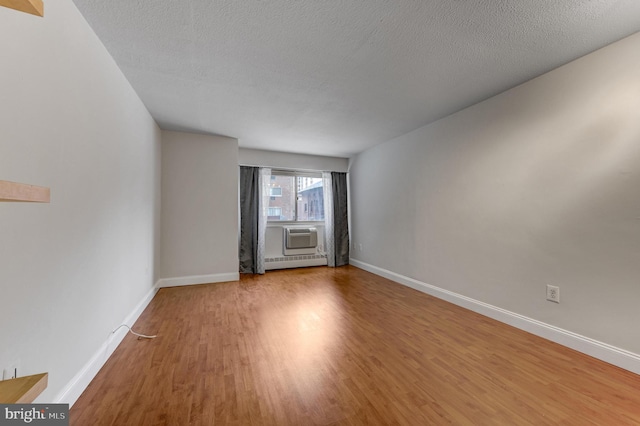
[{"x": 334, "y": 77}]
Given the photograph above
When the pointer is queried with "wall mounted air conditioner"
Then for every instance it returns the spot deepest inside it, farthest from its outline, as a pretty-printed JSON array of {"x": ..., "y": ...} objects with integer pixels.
[{"x": 299, "y": 240}]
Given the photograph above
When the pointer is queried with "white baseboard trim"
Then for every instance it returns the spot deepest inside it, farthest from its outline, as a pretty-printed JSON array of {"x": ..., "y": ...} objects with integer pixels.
[
  {"x": 198, "y": 279},
  {"x": 72, "y": 391},
  {"x": 602, "y": 351}
]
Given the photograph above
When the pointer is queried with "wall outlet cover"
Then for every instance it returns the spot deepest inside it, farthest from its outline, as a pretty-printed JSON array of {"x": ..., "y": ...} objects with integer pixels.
[{"x": 553, "y": 293}]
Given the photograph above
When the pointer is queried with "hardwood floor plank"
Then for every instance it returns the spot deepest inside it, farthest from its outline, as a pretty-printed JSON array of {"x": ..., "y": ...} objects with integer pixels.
[{"x": 323, "y": 346}]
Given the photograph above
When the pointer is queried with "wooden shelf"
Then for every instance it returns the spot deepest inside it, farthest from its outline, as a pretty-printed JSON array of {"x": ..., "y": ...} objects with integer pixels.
[
  {"x": 11, "y": 191},
  {"x": 23, "y": 390},
  {"x": 34, "y": 7}
]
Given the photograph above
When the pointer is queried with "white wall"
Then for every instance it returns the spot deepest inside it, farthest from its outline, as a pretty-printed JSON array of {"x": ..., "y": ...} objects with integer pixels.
[
  {"x": 71, "y": 270},
  {"x": 285, "y": 160},
  {"x": 199, "y": 208},
  {"x": 536, "y": 186}
]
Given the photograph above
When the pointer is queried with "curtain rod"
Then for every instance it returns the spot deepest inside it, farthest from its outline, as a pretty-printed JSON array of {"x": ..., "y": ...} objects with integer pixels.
[{"x": 287, "y": 169}]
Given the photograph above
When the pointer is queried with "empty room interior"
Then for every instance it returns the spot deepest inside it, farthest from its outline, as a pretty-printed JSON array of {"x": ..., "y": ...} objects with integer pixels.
[{"x": 321, "y": 212}]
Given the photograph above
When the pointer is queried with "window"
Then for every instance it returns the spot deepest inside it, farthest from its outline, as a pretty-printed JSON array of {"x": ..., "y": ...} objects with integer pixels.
[
  {"x": 275, "y": 191},
  {"x": 275, "y": 213},
  {"x": 296, "y": 196}
]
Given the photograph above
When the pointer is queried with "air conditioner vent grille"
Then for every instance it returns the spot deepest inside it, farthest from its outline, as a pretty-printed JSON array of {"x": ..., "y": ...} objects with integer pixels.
[{"x": 300, "y": 240}]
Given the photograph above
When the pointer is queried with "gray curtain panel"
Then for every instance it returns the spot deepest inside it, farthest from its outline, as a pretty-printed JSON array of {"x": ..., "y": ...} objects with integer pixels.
[
  {"x": 340, "y": 217},
  {"x": 249, "y": 217}
]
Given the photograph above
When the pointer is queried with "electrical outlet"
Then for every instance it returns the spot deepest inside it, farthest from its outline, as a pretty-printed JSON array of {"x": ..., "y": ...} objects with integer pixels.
[
  {"x": 553, "y": 293},
  {"x": 360, "y": 246}
]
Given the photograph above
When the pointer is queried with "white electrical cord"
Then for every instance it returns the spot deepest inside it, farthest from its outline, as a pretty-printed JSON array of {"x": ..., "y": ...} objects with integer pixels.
[{"x": 133, "y": 332}]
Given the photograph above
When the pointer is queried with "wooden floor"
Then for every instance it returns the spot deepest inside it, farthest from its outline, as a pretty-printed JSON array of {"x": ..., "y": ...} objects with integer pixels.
[{"x": 321, "y": 346}]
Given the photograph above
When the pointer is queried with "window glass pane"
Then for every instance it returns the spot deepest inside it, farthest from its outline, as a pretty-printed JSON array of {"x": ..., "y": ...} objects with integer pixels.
[
  {"x": 275, "y": 211},
  {"x": 276, "y": 191},
  {"x": 282, "y": 200},
  {"x": 295, "y": 198},
  {"x": 310, "y": 199}
]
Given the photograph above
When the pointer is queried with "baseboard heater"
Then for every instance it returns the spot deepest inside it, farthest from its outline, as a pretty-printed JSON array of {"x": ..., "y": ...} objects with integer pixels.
[{"x": 302, "y": 261}]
